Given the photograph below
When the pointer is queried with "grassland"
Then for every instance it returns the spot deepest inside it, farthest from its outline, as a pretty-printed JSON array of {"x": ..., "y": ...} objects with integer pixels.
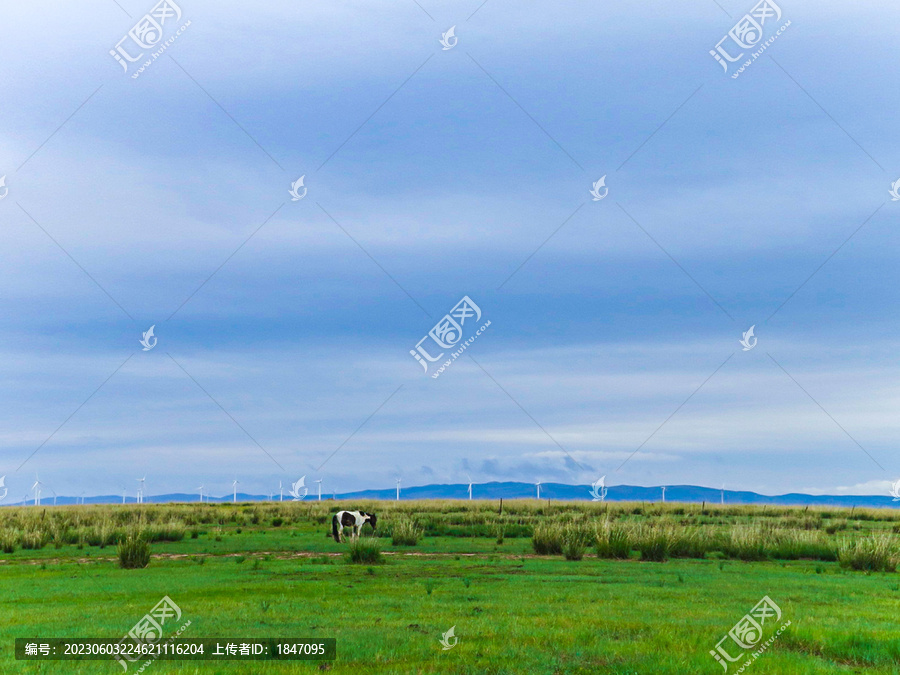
[{"x": 656, "y": 585}]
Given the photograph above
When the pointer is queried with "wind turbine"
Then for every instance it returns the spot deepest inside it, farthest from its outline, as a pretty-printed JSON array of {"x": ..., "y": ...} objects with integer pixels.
[
  {"x": 320, "y": 488},
  {"x": 280, "y": 492},
  {"x": 538, "y": 486},
  {"x": 470, "y": 486},
  {"x": 37, "y": 490},
  {"x": 54, "y": 496},
  {"x": 201, "y": 493},
  {"x": 664, "y": 492},
  {"x": 82, "y": 498},
  {"x": 398, "y": 489},
  {"x": 234, "y": 485},
  {"x": 140, "y": 494},
  {"x": 723, "y": 493},
  {"x": 124, "y": 492}
]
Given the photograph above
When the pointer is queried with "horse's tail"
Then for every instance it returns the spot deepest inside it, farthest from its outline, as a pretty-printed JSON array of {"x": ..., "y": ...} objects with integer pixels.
[{"x": 334, "y": 529}]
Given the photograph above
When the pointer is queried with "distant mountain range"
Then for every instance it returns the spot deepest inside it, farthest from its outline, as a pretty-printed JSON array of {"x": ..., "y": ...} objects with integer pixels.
[{"x": 512, "y": 490}]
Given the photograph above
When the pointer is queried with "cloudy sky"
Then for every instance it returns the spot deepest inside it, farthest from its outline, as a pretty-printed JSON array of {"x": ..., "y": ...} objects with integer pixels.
[{"x": 284, "y": 327}]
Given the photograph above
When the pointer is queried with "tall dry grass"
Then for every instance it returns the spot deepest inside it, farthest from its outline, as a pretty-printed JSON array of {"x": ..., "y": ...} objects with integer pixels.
[
  {"x": 875, "y": 553},
  {"x": 651, "y": 531}
]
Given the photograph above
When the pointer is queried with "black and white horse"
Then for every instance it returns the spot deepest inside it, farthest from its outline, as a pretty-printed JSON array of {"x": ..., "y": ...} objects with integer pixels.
[{"x": 352, "y": 519}]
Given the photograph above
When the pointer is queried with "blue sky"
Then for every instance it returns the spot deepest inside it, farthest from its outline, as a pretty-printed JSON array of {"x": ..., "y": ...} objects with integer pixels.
[{"x": 725, "y": 196}]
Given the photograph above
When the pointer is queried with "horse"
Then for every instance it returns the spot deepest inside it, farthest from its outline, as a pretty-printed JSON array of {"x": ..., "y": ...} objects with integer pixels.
[{"x": 352, "y": 519}]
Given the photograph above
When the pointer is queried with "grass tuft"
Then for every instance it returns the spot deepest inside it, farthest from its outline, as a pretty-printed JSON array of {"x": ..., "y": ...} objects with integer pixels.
[
  {"x": 576, "y": 537},
  {"x": 876, "y": 553},
  {"x": 364, "y": 551},
  {"x": 547, "y": 538},
  {"x": 405, "y": 533},
  {"x": 612, "y": 541},
  {"x": 133, "y": 551}
]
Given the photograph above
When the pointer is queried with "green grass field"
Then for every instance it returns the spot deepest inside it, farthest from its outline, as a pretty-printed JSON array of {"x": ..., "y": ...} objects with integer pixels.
[{"x": 270, "y": 570}]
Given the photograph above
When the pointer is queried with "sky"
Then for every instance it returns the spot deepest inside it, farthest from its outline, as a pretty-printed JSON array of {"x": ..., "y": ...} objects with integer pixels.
[{"x": 284, "y": 327}]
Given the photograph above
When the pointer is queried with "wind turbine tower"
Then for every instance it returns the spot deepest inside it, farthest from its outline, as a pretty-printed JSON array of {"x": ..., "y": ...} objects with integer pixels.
[{"x": 37, "y": 490}]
